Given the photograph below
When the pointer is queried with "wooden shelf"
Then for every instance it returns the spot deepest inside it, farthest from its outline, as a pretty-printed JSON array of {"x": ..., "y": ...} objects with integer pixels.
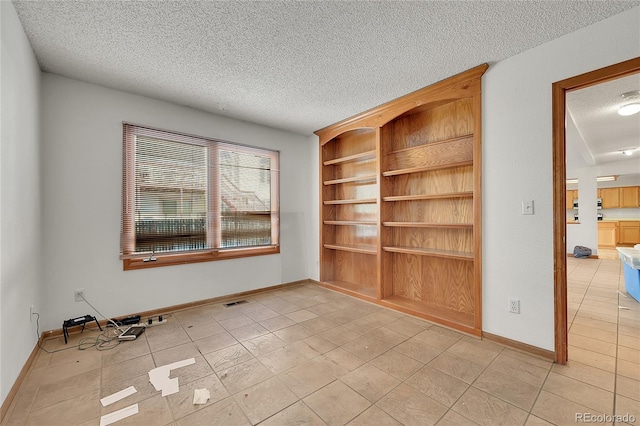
[
  {"x": 357, "y": 289},
  {"x": 460, "y": 255},
  {"x": 427, "y": 225},
  {"x": 355, "y": 201},
  {"x": 434, "y": 311},
  {"x": 411, "y": 175},
  {"x": 350, "y": 179},
  {"x": 361, "y": 156},
  {"x": 354, "y": 249},
  {"x": 464, "y": 194},
  {"x": 426, "y": 168},
  {"x": 418, "y": 147},
  {"x": 348, "y": 252},
  {"x": 350, "y": 222}
]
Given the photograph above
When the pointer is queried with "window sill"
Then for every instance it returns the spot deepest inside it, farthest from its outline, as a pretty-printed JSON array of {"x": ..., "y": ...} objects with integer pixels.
[{"x": 186, "y": 258}]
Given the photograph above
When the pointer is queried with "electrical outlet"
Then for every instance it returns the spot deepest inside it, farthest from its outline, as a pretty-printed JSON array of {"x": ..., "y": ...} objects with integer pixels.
[
  {"x": 514, "y": 306},
  {"x": 31, "y": 313},
  {"x": 78, "y": 293}
]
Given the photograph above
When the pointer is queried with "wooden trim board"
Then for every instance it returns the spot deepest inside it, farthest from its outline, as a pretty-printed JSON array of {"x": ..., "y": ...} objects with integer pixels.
[
  {"x": 380, "y": 115},
  {"x": 523, "y": 347},
  {"x": 591, "y": 256},
  {"x": 176, "y": 308},
  {"x": 162, "y": 311},
  {"x": 6, "y": 404}
]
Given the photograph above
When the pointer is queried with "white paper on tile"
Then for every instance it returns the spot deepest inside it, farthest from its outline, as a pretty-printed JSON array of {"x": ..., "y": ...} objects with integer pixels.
[
  {"x": 118, "y": 396},
  {"x": 201, "y": 396},
  {"x": 107, "y": 419},
  {"x": 179, "y": 364},
  {"x": 170, "y": 387},
  {"x": 159, "y": 376}
]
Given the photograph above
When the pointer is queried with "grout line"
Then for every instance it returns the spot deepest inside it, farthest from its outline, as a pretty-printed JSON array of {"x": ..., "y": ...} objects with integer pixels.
[
  {"x": 371, "y": 404},
  {"x": 471, "y": 385},
  {"x": 589, "y": 286},
  {"x": 535, "y": 401},
  {"x": 617, "y": 323},
  {"x": 615, "y": 372}
]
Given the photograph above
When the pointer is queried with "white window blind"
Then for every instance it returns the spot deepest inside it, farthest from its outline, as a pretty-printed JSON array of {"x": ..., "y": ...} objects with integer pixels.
[{"x": 186, "y": 194}]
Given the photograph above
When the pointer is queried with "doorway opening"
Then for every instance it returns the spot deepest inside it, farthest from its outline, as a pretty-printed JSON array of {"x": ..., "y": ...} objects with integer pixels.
[{"x": 559, "y": 91}]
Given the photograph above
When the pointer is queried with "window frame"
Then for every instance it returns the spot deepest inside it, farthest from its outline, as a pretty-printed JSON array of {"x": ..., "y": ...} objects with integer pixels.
[{"x": 143, "y": 260}]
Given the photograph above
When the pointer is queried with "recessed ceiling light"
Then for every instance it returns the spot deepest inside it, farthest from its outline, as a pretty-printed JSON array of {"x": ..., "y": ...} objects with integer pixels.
[
  {"x": 632, "y": 103},
  {"x": 629, "y": 109},
  {"x": 627, "y": 152}
]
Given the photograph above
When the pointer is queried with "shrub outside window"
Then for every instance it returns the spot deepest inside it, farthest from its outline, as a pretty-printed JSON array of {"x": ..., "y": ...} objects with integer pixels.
[{"x": 193, "y": 199}]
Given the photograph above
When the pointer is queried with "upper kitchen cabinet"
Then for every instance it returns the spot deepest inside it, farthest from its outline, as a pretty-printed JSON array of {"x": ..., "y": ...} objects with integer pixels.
[
  {"x": 620, "y": 197},
  {"x": 572, "y": 198},
  {"x": 629, "y": 196},
  {"x": 610, "y": 198}
]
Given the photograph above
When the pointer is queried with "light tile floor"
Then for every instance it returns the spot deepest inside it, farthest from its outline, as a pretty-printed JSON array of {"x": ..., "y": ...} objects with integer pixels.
[{"x": 307, "y": 355}]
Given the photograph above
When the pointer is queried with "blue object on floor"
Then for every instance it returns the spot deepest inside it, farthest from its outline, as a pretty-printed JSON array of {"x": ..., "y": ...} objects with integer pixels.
[
  {"x": 632, "y": 281},
  {"x": 630, "y": 258}
]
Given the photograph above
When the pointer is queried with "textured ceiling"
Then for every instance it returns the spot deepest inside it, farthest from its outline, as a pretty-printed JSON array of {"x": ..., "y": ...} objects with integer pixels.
[
  {"x": 605, "y": 132},
  {"x": 298, "y": 66}
]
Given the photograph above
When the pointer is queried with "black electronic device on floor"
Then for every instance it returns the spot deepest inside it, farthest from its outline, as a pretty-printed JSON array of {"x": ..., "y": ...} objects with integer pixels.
[
  {"x": 77, "y": 321},
  {"x": 131, "y": 333},
  {"x": 130, "y": 320}
]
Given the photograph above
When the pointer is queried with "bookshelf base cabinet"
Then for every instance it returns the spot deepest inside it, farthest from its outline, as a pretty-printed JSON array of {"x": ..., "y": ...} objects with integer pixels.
[{"x": 400, "y": 189}]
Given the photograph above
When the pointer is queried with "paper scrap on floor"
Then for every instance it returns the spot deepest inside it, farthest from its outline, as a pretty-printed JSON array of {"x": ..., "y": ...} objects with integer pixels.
[
  {"x": 170, "y": 387},
  {"x": 159, "y": 376},
  {"x": 107, "y": 419},
  {"x": 201, "y": 396},
  {"x": 118, "y": 396}
]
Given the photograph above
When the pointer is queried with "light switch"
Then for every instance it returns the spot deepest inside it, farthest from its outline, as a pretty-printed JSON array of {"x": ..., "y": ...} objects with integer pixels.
[{"x": 527, "y": 207}]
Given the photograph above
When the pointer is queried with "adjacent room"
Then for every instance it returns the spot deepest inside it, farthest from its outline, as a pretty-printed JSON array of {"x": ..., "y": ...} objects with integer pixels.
[{"x": 319, "y": 212}]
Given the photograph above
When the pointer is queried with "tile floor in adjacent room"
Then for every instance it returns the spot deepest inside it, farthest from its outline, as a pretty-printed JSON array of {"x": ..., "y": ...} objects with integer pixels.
[{"x": 307, "y": 355}]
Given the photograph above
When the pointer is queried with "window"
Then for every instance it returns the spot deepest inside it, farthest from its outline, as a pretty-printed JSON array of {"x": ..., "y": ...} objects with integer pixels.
[{"x": 191, "y": 199}]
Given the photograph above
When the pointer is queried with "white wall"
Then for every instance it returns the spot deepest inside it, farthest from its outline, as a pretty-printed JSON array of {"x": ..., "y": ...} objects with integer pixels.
[
  {"x": 20, "y": 241},
  {"x": 586, "y": 232},
  {"x": 626, "y": 213},
  {"x": 517, "y": 165},
  {"x": 314, "y": 223},
  {"x": 82, "y": 180}
]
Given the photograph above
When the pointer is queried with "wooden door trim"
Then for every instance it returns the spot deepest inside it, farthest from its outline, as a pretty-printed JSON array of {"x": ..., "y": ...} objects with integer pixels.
[{"x": 559, "y": 90}]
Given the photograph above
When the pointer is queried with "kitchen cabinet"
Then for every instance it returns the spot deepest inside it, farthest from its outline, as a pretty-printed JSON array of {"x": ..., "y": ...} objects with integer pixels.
[
  {"x": 629, "y": 232},
  {"x": 607, "y": 234},
  {"x": 610, "y": 197},
  {"x": 619, "y": 197},
  {"x": 629, "y": 196},
  {"x": 572, "y": 194}
]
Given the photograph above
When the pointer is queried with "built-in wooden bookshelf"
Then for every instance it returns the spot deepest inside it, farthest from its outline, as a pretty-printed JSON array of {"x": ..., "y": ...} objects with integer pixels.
[
  {"x": 349, "y": 176},
  {"x": 401, "y": 203}
]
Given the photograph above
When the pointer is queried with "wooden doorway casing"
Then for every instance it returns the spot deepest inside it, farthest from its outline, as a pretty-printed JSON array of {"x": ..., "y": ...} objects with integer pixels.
[{"x": 559, "y": 90}]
